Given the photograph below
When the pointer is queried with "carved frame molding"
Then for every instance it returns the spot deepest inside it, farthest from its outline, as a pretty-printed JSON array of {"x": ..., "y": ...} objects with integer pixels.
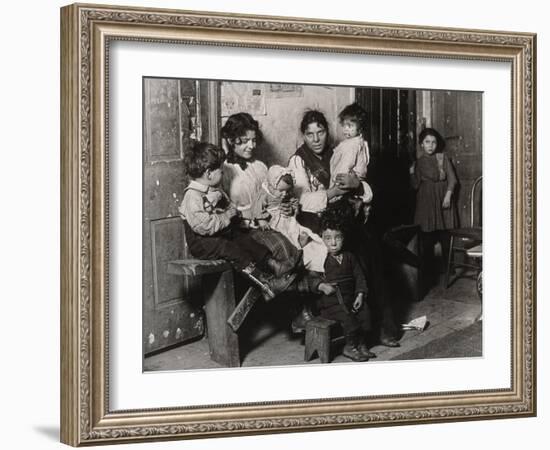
[{"x": 86, "y": 32}]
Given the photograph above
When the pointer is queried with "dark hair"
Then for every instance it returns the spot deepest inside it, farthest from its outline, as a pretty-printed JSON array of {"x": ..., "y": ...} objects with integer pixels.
[
  {"x": 238, "y": 124},
  {"x": 202, "y": 157},
  {"x": 432, "y": 132},
  {"x": 313, "y": 116},
  {"x": 287, "y": 178},
  {"x": 356, "y": 113},
  {"x": 335, "y": 218}
]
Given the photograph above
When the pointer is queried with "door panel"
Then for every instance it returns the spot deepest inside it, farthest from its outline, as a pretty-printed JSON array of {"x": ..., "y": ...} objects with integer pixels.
[
  {"x": 168, "y": 288},
  {"x": 172, "y": 306},
  {"x": 177, "y": 300},
  {"x": 457, "y": 116}
]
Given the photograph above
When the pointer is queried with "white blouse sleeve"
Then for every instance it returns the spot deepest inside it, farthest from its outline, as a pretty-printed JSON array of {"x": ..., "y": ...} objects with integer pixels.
[
  {"x": 312, "y": 198},
  {"x": 367, "y": 193}
]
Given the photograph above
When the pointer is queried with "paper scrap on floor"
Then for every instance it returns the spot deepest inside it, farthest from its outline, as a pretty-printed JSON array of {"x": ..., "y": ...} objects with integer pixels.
[{"x": 416, "y": 324}]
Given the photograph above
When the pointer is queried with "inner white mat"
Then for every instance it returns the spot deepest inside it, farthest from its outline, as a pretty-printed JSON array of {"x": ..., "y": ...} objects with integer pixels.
[{"x": 132, "y": 389}]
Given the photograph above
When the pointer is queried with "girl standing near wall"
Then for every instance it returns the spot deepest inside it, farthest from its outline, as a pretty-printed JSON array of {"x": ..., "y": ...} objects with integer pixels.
[{"x": 434, "y": 179}]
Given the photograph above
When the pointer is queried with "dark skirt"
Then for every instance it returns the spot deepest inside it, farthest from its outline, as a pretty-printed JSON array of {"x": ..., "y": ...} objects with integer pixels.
[
  {"x": 279, "y": 246},
  {"x": 429, "y": 213}
]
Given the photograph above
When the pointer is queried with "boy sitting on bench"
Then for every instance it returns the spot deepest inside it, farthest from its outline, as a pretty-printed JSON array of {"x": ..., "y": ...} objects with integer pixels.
[{"x": 212, "y": 230}]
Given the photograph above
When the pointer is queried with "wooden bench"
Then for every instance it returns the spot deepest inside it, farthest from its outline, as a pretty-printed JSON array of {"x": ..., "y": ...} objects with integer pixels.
[{"x": 223, "y": 317}]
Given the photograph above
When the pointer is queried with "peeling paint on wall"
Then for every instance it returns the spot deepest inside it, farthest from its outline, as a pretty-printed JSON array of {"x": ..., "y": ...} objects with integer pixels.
[
  {"x": 178, "y": 333},
  {"x": 151, "y": 339},
  {"x": 166, "y": 333}
]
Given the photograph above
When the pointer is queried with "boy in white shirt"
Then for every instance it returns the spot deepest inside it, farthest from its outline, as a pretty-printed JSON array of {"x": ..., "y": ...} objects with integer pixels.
[{"x": 209, "y": 218}]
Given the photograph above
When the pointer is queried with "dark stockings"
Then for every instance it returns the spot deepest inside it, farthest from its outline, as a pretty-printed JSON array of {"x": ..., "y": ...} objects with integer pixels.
[{"x": 431, "y": 267}]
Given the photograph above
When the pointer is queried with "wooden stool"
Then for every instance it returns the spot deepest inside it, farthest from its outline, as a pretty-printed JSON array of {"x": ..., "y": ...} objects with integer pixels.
[{"x": 318, "y": 338}]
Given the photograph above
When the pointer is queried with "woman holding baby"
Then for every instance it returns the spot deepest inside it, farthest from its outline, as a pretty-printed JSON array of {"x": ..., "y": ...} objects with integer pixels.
[
  {"x": 246, "y": 180},
  {"x": 319, "y": 189}
]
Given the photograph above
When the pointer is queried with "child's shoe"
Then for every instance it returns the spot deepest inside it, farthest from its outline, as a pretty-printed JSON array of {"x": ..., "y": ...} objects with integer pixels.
[
  {"x": 365, "y": 350},
  {"x": 298, "y": 324},
  {"x": 389, "y": 342},
  {"x": 352, "y": 352},
  {"x": 269, "y": 285}
]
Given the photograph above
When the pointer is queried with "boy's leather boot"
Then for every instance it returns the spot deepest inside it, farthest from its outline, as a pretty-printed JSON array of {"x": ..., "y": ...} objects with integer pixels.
[
  {"x": 269, "y": 285},
  {"x": 351, "y": 350},
  {"x": 299, "y": 322},
  {"x": 365, "y": 350}
]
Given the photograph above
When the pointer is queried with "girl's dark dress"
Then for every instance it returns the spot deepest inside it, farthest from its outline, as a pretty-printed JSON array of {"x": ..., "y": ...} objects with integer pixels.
[
  {"x": 350, "y": 280},
  {"x": 432, "y": 179}
]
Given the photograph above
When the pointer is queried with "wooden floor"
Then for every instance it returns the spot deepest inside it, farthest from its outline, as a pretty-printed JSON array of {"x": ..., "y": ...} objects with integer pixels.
[{"x": 264, "y": 342}]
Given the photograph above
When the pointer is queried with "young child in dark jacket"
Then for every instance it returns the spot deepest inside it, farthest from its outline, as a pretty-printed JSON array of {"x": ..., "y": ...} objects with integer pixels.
[{"x": 344, "y": 290}]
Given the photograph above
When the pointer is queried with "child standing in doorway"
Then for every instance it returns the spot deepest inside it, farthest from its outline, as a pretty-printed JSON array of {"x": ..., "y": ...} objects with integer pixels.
[{"x": 434, "y": 179}]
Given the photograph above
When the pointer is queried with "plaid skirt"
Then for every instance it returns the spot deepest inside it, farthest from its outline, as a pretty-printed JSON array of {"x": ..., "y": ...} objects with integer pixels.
[{"x": 281, "y": 248}]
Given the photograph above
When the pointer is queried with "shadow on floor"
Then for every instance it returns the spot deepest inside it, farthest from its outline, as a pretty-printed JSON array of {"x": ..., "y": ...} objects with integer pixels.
[
  {"x": 50, "y": 432},
  {"x": 458, "y": 344}
]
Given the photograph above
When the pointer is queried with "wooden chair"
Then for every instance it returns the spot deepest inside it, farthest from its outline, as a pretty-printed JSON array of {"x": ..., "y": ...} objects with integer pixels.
[
  {"x": 477, "y": 253},
  {"x": 463, "y": 239}
]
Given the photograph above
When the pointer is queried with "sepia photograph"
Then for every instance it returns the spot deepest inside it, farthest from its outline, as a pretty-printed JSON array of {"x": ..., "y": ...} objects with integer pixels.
[{"x": 298, "y": 224}]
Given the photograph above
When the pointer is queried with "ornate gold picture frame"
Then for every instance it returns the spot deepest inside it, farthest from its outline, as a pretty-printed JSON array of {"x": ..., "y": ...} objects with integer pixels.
[{"x": 87, "y": 415}]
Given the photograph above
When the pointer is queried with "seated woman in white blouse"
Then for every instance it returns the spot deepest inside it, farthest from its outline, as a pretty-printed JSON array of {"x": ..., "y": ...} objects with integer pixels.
[{"x": 243, "y": 176}]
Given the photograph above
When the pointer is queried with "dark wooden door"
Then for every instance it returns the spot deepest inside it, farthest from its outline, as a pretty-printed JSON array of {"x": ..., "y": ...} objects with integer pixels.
[
  {"x": 394, "y": 120},
  {"x": 174, "y": 114},
  {"x": 391, "y": 138},
  {"x": 458, "y": 117}
]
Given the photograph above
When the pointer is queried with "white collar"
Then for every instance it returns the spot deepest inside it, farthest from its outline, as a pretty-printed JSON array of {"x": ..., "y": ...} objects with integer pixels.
[{"x": 197, "y": 186}]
